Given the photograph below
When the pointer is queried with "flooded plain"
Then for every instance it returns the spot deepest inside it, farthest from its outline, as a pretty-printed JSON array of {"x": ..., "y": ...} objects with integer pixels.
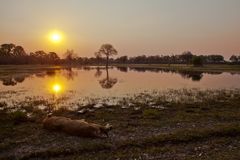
[
  {"x": 90, "y": 84},
  {"x": 111, "y": 82}
]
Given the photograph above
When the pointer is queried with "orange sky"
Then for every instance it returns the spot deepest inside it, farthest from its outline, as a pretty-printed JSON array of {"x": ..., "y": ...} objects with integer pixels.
[{"x": 134, "y": 27}]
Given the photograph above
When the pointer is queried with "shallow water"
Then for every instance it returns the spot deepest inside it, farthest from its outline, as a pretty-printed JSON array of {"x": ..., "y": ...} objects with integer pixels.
[{"x": 114, "y": 82}]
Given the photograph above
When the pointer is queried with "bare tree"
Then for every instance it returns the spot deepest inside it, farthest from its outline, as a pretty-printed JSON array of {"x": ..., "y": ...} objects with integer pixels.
[{"x": 106, "y": 50}]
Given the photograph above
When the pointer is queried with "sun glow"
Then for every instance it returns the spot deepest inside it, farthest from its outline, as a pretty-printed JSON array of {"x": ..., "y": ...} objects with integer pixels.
[
  {"x": 56, "y": 88},
  {"x": 55, "y": 36}
]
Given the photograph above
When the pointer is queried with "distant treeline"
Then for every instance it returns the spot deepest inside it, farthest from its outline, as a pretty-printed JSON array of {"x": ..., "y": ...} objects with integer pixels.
[{"x": 13, "y": 54}]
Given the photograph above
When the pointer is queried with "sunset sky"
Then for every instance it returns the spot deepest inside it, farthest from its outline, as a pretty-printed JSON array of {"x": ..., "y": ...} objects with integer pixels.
[{"x": 134, "y": 27}]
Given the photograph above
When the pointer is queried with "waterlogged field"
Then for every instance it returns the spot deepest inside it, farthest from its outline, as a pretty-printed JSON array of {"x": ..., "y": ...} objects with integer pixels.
[
  {"x": 156, "y": 113},
  {"x": 82, "y": 84}
]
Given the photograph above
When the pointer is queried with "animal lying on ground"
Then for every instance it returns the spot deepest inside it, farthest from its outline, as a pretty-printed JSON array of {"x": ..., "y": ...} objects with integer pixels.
[{"x": 76, "y": 127}]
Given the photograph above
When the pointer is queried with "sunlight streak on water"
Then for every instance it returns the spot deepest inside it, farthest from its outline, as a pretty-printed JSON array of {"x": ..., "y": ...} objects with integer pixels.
[{"x": 56, "y": 88}]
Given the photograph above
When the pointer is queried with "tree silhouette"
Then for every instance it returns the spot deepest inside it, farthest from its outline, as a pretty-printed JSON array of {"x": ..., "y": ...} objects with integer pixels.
[
  {"x": 106, "y": 50},
  {"x": 53, "y": 56},
  {"x": 197, "y": 61},
  {"x": 233, "y": 59},
  {"x": 186, "y": 57},
  {"x": 123, "y": 59},
  {"x": 18, "y": 51},
  {"x": 12, "y": 54},
  {"x": 70, "y": 56},
  {"x": 7, "y": 49}
]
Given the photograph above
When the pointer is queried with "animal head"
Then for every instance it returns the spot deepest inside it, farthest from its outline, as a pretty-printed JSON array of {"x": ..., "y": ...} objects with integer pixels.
[
  {"x": 106, "y": 129},
  {"x": 108, "y": 126},
  {"x": 49, "y": 115}
]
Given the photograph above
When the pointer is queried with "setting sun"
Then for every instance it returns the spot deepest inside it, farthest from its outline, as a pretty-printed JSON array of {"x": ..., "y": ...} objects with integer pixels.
[{"x": 55, "y": 37}]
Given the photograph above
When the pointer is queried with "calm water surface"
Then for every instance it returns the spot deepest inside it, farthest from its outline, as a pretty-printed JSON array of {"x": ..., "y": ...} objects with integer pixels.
[{"x": 112, "y": 82}]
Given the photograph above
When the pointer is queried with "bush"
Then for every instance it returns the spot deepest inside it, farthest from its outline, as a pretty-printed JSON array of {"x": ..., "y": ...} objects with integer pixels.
[{"x": 197, "y": 61}]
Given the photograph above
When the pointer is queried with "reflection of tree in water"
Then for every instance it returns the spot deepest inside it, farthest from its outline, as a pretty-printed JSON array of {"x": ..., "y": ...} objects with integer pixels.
[
  {"x": 195, "y": 76},
  {"x": 98, "y": 72},
  {"x": 12, "y": 80},
  {"x": 70, "y": 74},
  {"x": 9, "y": 82},
  {"x": 108, "y": 82},
  {"x": 51, "y": 73},
  {"x": 19, "y": 79},
  {"x": 123, "y": 69}
]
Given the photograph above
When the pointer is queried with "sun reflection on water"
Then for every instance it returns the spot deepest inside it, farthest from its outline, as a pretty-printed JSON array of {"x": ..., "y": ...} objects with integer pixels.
[{"x": 56, "y": 88}]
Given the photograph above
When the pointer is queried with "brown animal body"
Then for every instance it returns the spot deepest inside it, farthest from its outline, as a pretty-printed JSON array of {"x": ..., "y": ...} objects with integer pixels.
[{"x": 75, "y": 127}]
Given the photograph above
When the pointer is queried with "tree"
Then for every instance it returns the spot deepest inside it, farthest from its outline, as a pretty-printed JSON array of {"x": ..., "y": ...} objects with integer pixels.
[
  {"x": 53, "y": 57},
  {"x": 197, "y": 61},
  {"x": 123, "y": 59},
  {"x": 70, "y": 56},
  {"x": 7, "y": 49},
  {"x": 40, "y": 56},
  {"x": 99, "y": 58},
  {"x": 186, "y": 57},
  {"x": 106, "y": 50},
  {"x": 18, "y": 51},
  {"x": 214, "y": 58},
  {"x": 12, "y": 54},
  {"x": 233, "y": 59}
]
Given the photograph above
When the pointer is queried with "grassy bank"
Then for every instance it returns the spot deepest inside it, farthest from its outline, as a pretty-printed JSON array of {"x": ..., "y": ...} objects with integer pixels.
[
  {"x": 182, "y": 67},
  {"x": 207, "y": 128}
]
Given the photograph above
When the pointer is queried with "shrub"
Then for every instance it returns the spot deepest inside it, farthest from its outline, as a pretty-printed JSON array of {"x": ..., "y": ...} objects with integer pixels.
[{"x": 197, "y": 61}]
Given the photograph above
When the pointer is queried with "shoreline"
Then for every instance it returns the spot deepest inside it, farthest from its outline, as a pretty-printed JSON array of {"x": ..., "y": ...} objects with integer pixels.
[{"x": 177, "y": 67}]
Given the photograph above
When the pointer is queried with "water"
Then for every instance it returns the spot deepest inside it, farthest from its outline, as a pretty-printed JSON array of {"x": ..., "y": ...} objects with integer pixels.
[
  {"x": 74, "y": 88},
  {"x": 114, "y": 82}
]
